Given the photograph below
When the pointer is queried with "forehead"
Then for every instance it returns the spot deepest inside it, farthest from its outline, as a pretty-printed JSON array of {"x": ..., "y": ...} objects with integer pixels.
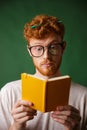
[{"x": 45, "y": 41}]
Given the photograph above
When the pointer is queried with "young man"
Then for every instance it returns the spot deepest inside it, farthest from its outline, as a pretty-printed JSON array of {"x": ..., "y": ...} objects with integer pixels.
[{"x": 44, "y": 35}]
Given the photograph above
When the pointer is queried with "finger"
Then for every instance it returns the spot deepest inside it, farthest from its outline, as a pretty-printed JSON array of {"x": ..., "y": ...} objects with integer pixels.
[
  {"x": 23, "y": 102},
  {"x": 23, "y": 119},
  {"x": 67, "y": 113},
  {"x": 62, "y": 117},
  {"x": 23, "y": 109},
  {"x": 67, "y": 107},
  {"x": 66, "y": 120},
  {"x": 22, "y": 115},
  {"x": 63, "y": 122}
]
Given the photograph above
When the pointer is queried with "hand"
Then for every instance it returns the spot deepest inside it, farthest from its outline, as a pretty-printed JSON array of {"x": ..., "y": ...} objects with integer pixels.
[
  {"x": 22, "y": 112},
  {"x": 68, "y": 116}
]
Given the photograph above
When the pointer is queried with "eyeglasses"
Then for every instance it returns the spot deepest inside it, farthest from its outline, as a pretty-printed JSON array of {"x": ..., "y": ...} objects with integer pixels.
[{"x": 38, "y": 50}]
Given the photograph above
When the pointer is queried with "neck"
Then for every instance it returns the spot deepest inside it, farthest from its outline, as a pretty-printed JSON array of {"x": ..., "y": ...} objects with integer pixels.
[{"x": 38, "y": 74}]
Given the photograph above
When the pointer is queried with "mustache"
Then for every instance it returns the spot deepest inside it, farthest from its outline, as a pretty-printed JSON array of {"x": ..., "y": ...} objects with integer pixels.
[{"x": 47, "y": 61}]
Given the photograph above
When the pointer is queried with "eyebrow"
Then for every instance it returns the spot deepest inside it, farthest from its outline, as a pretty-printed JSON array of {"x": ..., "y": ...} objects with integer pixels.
[
  {"x": 38, "y": 43},
  {"x": 54, "y": 41}
]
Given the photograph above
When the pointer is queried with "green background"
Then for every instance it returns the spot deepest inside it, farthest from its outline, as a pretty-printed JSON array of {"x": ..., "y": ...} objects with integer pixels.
[{"x": 14, "y": 58}]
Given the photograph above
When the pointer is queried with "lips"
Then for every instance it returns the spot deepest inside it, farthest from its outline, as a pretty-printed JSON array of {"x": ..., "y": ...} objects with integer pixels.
[{"x": 49, "y": 64}]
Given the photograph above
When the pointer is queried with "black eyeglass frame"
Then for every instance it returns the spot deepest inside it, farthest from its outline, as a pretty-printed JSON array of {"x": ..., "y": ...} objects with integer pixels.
[{"x": 30, "y": 47}]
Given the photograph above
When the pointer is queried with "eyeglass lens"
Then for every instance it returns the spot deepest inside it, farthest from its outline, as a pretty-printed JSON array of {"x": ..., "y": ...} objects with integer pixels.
[{"x": 38, "y": 50}]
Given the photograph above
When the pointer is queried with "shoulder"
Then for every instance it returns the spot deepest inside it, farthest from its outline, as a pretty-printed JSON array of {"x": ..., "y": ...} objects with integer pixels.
[
  {"x": 78, "y": 93},
  {"x": 78, "y": 99},
  {"x": 11, "y": 89},
  {"x": 9, "y": 94},
  {"x": 13, "y": 84},
  {"x": 77, "y": 88}
]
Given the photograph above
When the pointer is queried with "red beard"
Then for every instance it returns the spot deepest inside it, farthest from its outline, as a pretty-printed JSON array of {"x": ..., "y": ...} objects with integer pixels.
[{"x": 48, "y": 67}]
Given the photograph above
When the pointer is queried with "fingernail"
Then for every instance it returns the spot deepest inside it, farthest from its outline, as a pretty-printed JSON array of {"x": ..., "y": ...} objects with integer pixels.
[{"x": 31, "y": 104}]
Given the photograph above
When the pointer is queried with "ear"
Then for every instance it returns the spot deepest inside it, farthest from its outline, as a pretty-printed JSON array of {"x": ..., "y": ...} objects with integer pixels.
[
  {"x": 29, "y": 51},
  {"x": 63, "y": 46}
]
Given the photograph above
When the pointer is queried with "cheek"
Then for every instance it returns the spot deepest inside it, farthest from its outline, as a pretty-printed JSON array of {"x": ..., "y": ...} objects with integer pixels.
[
  {"x": 35, "y": 61},
  {"x": 57, "y": 58}
]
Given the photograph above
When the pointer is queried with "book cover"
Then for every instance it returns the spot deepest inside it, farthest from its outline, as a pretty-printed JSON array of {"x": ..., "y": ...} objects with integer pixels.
[{"x": 45, "y": 94}]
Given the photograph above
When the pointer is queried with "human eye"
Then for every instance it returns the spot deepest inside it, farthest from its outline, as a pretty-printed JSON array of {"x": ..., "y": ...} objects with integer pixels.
[
  {"x": 37, "y": 48},
  {"x": 54, "y": 46},
  {"x": 54, "y": 49}
]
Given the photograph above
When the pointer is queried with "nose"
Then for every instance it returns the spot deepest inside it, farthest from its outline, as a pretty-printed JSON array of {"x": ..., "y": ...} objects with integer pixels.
[{"x": 46, "y": 53}]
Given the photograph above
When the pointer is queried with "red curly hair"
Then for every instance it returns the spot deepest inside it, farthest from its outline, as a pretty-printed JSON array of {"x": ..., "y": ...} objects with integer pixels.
[{"x": 42, "y": 25}]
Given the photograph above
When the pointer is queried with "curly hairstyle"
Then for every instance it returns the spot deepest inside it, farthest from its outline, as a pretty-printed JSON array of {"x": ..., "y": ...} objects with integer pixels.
[{"x": 42, "y": 25}]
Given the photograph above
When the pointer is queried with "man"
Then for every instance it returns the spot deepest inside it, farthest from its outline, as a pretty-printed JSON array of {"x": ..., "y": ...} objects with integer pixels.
[{"x": 44, "y": 35}]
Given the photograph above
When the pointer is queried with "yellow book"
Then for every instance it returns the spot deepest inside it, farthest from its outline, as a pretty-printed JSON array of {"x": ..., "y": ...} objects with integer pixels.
[{"x": 46, "y": 95}]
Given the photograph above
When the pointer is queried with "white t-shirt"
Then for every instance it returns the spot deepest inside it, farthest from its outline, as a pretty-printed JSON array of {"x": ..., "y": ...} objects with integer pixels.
[{"x": 11, "y": 93}]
